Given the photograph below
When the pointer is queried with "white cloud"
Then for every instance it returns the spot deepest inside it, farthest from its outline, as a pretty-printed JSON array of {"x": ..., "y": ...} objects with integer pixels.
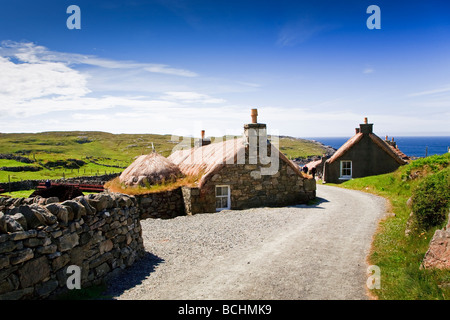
[
  {"x": 31, "y": 53},
  {"x": 368, "y": 70},
  {"x": 27, "y": 81},
  {"x": 300, "y": 31},
  {"x": 445, "y": 89},
  {"x": 36, "y": 81},
  {"x": 45, "y": 90},
  {"x": 191, "y": 97}
]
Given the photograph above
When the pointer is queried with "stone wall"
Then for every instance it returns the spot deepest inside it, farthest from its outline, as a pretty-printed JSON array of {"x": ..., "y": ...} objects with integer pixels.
[
  {"x": 164, "y": 205},
  {"x": 32, "y": 184},
  {"x": 40, "y": 238}
]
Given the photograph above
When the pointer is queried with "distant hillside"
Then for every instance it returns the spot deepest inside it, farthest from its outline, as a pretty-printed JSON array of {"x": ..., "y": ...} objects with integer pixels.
[{"x": 81, "y": 153}]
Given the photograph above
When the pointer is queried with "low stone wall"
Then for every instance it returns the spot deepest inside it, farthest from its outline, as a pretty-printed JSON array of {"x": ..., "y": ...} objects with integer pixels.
[
  {"x": 32, "y": 184},
  {"x": 164, "y": 205},
  {"x": 101, "y": 234}
]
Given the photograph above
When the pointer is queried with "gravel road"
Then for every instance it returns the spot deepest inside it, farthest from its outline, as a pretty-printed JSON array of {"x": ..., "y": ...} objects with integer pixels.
[{"x": 297, "y": 252}]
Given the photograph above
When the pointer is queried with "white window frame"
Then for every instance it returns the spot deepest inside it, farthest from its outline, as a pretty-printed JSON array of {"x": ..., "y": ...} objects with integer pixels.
[
  {"x": 228, "y": 196},
  {"x": 341, "y": 168}
]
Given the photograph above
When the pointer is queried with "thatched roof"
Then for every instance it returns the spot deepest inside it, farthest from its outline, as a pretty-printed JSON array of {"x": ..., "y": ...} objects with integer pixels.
[
  {"x": 393, "y": 152},
  {"x": 149, "y": 169},
  {"x": 345, "y": 147},
  {"x": 208, "y": 160},
  {"x": 313, "y": 164}
]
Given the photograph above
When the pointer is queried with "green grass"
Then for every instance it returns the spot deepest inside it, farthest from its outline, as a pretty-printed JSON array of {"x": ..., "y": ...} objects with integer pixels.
[
  {"x": 18, "y": 194},
  {"x": 105, "y": 149},
  {"x": 27, "y": 193},
  {"x": 13, "y": 163},
  {"x": 300, "y": 148},
  {"x": 399, "y": 256}
]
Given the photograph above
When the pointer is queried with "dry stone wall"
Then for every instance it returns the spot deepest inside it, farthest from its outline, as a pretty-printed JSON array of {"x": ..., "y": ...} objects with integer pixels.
[
  {"x": 32, "y": 184},
  {"x": 40, "y": 238},
  {"x": 163, "y": 205}
]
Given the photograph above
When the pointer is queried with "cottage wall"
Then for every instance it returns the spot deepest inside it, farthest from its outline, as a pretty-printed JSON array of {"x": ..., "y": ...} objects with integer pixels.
[
  {"x": 367, "y": 159},
  {"x": 250, "y": 189},
  {"x": 163, "y": 205}
]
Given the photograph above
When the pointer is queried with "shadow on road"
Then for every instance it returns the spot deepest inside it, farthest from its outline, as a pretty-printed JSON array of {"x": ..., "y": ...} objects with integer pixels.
[
  {"x": 133, "y": 275},
  {"x": 316, "y": 203}
]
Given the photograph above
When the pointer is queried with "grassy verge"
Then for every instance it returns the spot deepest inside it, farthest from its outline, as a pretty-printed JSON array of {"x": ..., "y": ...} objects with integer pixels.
[
  {"x": 18, "y": 194},
  {"x": 399, "y": 256}
]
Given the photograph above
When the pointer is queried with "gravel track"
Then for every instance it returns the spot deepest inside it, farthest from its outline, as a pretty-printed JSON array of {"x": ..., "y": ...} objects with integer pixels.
[{"x": 298, "y": 252}]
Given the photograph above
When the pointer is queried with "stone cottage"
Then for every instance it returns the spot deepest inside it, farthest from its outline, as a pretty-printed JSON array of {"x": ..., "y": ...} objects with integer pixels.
[
  {"x": 241, "y": 173},
  {"x": 364, "y": 154}
]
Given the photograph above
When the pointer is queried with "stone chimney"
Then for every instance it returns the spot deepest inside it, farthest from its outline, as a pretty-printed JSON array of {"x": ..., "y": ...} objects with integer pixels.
[
  {"x": 254, "y": 129},
  {"x": 255, "y": 136},
  {"x": 366, "y": 127},
  {"x": 202, "y": 141}
]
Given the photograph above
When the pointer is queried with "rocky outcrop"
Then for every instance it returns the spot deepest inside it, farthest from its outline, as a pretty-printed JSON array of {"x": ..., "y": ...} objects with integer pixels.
[{"x": 438, "y": 254}]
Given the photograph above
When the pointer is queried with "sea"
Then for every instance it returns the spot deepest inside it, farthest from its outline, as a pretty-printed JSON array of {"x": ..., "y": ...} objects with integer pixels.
[{"x": 416, "y": 147}]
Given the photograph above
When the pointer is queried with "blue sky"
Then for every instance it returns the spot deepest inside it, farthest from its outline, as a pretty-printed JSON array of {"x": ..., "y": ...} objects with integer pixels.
[{"x": 312, "y": 68}]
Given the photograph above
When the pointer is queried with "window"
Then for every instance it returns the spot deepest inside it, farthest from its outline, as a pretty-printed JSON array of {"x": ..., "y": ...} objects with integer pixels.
[
  {"x": 223, "y": 198},
  {"x": 346, "y": 169}
]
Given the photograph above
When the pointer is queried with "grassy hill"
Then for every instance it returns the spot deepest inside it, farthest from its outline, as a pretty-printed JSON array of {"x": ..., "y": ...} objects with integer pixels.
[
  {"x": 78, "y": 153},
  {"x": 398, "y": 255}
]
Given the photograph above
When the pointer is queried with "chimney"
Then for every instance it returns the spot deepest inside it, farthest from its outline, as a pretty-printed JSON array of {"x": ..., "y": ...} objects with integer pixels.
[
  {"x": 386, "y": 139},
  {"x": 255, "y": 133},
  {"x": 366, "y": 127},
  {"x": 254, "y": 115},
  {"x": 393, "y": 143},
  {"x": 356, "y": 130},
  {"x": 202, "y": 141}
]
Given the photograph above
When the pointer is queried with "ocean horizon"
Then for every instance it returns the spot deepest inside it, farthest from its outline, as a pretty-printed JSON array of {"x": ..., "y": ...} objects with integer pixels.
[{"x": 419, "y": 146}]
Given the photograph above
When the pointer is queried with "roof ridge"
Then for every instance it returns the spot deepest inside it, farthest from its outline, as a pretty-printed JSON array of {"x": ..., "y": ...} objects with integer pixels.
[
  {"x": 387, "y": 148},
  {"x": 345, "y": 147}
]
